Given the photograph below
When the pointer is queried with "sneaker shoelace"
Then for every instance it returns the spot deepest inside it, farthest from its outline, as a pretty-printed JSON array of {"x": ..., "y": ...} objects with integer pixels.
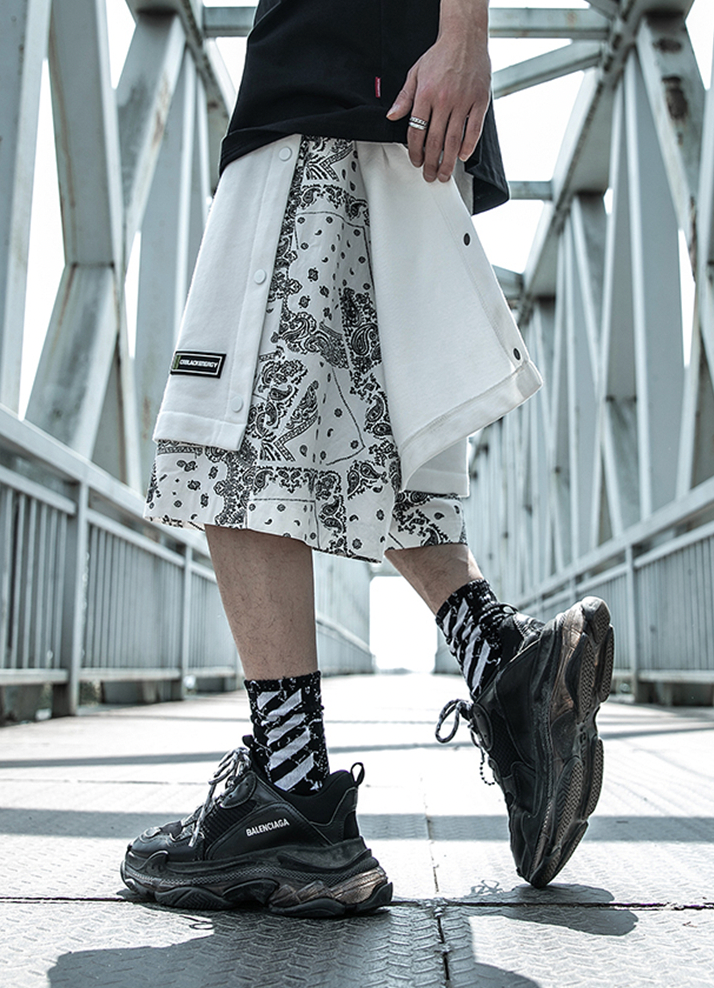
[
  {"x": 461, "y": 708},
  {"x": 230, "y": 769}
]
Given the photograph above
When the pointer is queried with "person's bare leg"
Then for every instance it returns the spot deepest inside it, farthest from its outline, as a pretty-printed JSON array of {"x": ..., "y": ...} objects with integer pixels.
[
  {"x": 436, "y": 571},
  {"x": 266, "y": 585}
]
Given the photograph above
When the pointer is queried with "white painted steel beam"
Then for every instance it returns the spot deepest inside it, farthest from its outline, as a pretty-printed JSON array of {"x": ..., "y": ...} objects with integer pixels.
[
  {"x": 584, "y": 246},
  {"x": 163, "y": 280},
  {"x": 200, "y": 179},
  {"x": 581, "y": 166},
  {"x": 86, "y": 133},
  {"x": 543, "y": 22},
  {"x": 676, "y": 94},
  {"x": 541, "y": 329},
  {"x": 144, "y": 97},
  {"x": 227, "y": 22},
  {"x": 531, "y": 190},
  {"x": 696, "y": 461},
  {"x": 23, "y": 44},
  {"x": 619, "y": 484},
  {"x": 697, "y": 440},
  {"x": 511, "y": 282},
  {"x": 582, "y": 163},
  {"x": 608, "y": 8},
  {"x": 68, "y": 391},
  {"x": 220, "y": 99},
  {"x": 555, "y": 64},
  {"x": 657, "y": 312},
  {"x": 504, "y": 22},
  {"x": 705, "y": 226},
  {"x": 559, "y": 441},
  {"x": 220, "y": 91}
]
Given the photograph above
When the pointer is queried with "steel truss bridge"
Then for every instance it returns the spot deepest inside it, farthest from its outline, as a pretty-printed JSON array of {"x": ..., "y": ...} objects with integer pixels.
[{"x": 603, "y": 483}]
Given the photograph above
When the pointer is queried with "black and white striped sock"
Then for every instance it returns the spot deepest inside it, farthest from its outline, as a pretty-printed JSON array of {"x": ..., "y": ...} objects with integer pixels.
[
  {"x": 471, "y": 636},
  {"x": 288, "y": 731}
]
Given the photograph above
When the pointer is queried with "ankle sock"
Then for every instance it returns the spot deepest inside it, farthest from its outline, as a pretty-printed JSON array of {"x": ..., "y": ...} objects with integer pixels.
[
  {"x": 472, "y": 621},
  {"x": 288, "y": 731}
]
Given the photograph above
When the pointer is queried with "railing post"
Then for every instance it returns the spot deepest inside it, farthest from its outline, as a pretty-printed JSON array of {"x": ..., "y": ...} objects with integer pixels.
[
  {"x": 631, "y": 626},
  {"x": 179, "y": 692},
  {"x": 65, "y": 696}
]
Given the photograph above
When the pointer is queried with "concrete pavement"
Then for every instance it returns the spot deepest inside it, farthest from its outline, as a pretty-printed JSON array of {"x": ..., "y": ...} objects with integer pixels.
[{"x": 634, "y": 906}]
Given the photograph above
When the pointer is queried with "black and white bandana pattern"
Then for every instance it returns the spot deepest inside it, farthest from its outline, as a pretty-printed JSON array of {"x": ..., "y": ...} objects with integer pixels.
[{"x": 318, "y": 460}]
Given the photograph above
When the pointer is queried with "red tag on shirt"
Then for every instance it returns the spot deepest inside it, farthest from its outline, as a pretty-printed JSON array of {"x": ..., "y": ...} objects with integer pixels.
[{"x": 378, "y": 87}]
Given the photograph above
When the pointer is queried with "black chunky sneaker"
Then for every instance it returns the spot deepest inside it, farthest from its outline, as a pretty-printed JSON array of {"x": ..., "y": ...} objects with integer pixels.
[
  {"x": 535, "y": 720},
  {"x": 296, "y": 855}
]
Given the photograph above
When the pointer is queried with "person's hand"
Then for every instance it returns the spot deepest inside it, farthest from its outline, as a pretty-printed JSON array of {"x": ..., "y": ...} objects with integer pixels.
[{"x": 449, "y": 89}]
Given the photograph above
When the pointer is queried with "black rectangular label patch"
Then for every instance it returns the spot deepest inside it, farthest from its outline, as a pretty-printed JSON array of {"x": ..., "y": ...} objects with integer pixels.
[{"x": 198, "y": 363}]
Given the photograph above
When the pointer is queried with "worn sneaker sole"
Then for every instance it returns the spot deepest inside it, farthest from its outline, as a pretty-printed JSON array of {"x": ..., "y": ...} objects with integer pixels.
[
  {"x": 582, "y": 642},
  {"x": 291, "y": 881}
]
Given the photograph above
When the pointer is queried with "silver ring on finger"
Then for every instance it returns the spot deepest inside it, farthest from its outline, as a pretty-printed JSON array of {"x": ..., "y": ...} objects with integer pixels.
[{"x": 417, "y": 123}]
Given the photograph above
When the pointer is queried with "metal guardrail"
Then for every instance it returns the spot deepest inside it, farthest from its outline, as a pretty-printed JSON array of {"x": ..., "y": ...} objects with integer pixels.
[
  {"x": 89, "y": 591},
  {"x": 659, "y": 585},
  {"x": 658, "y": 580}
]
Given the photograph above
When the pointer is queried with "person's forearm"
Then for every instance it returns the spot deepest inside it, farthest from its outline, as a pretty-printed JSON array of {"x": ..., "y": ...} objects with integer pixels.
[{"x": 465, "y": 17}]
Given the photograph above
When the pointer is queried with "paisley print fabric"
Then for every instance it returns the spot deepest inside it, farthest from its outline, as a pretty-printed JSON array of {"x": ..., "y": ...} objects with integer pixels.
[{"x": 318, "y": 461}]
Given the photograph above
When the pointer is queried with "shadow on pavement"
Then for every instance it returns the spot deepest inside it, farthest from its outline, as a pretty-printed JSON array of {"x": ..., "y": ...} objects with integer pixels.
[
  {"x": 399, "y": 946},
  {"x": 583, "y": 908}
]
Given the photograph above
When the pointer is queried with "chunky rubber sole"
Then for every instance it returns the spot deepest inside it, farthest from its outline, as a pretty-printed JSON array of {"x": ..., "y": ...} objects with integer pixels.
[
  {"x": 568, "y": 735},
  {"x": 288, "y": 891}
]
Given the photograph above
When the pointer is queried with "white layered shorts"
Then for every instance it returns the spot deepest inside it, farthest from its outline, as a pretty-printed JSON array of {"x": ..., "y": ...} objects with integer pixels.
[{"x": 317, "y": 459}]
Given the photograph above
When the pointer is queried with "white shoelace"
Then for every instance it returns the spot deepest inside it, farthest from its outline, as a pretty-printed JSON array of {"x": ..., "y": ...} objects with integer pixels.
[
  {"x": 230, "y": 768},
  {"x": 462, "y": 708}
]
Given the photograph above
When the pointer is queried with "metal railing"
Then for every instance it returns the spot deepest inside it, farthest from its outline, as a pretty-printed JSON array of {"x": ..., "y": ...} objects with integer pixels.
[
  {"x": 89, "y": 591},
  {"x": 658, "y": 581}
]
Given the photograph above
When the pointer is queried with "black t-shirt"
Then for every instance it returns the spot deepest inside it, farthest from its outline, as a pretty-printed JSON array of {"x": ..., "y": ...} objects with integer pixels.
[{"x": 332, "y": 68}]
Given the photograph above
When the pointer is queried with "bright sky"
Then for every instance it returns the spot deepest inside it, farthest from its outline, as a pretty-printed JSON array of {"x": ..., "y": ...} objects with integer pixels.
[{"x": 531, "y": 125}]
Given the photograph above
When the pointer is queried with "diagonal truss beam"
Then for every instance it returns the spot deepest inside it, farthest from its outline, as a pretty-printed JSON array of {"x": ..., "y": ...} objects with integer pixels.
[
  {"x": 706, "y": 188},
  {"x": 676, "y": 95},
  {"x": 608, "y": 8},
  {"x": 219, "y": 88},
  {"x": 86, "y": 133},
  {"x": 83, "y": 329},
  {"x": 88, "y": 327},
  {"x": 571, "y": 58},
  {"x": 163, "y": 280},
  {"x": 23, "y": 42},
  {"x": 144, "y": 95}
]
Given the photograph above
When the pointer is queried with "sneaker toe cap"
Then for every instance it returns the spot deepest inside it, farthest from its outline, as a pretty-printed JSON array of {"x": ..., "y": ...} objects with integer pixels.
[{"x": 155, "y": 839}]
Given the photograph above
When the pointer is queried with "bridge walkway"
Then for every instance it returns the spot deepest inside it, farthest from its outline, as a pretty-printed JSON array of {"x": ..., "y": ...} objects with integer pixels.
[{"x": 634, "y": 906}]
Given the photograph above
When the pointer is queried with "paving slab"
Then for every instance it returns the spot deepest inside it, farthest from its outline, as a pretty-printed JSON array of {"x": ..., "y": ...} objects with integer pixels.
[
  {"x": 125, "y": 944},
  {"x": 553, "y": 947},
  {"x": 634, "y": 906}
]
